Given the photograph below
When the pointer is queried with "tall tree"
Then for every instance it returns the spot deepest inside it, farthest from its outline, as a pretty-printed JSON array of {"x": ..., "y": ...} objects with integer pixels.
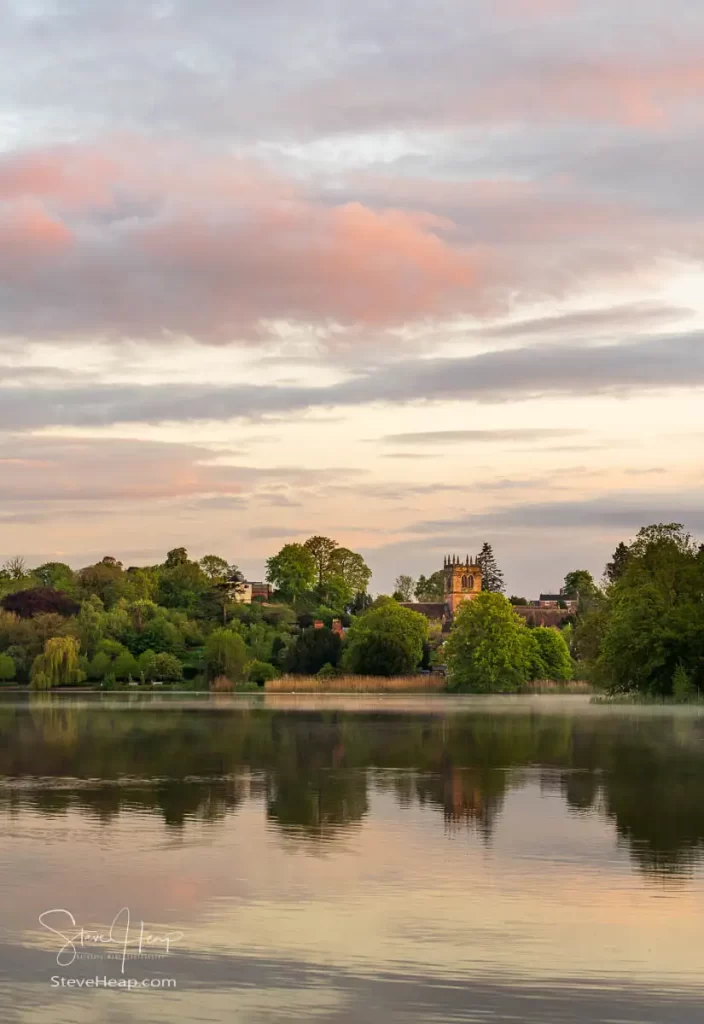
[
  {"x": 349, "y": 574},
  {"x": 492, "y": 577},
  {"x": 431, "y": 588},
  {"x": 489, "y": 648},
  {"x": 386, "y": 641},
  {"x": 292, "y": 571},
  {"x": 617, "y": 566},
  {"x": 580, "y": 583},
  {"x": 405, "y": 586},
  {"x": 58, "y": 665},
  {"x": 214, "y": 567},
  {"x": 322, "y": 549}
]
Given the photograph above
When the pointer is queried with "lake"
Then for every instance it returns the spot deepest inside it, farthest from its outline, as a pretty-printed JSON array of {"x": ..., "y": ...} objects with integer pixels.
[{"x": 363, "y": 859}]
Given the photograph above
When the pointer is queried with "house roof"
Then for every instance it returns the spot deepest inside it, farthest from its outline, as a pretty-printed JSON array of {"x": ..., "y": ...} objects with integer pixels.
[
  {"x": 543, "y": 616},
  {"x": 431, "y": 609}
]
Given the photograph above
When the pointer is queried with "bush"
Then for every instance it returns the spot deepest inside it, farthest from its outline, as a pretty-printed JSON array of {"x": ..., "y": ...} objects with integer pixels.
[
  {"x": 682, "y": 686},
  {"x": 313, "y": 649},
  {"x": 125, "y": 666},
  {"x": 554, "y": 661},
  {"x": 261, "y": 672},
  {"x": 99, "y": 666},
  {"x": 328, "y": 672},
  {"x": 387, "y": 640},
  {"x": 7, "y": 668},
  {"x": 40, "y": 601},
  {"x": 225, "y": 654},
  {"x": 167, "y": 667}
]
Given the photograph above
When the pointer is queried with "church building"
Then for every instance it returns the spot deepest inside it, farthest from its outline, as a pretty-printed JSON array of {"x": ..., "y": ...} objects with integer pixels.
[{"x": 463, "y": 582}]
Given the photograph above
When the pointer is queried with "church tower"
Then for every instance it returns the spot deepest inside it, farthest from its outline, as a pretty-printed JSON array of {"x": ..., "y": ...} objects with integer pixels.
[{"x": 463, "y": 581}]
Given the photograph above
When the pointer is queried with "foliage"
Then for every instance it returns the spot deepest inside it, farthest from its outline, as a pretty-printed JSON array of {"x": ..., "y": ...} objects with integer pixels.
[
  {"x": 261, "y": 672},
  {"x": 489, "y": 648},
  {"x": 652, "y": 622},
  {"x": 682, "y": 686},
  {"x": 56, "y": 576},
  {"x": 580, "y": 583},
  {"x": 292, "y": 571},
  {"x": 166, "y": 667},
  {"x": 99, "y": 666},
  {"x": 404, "y": 588},
  {"x": 617, "y": 566},
  {"x": 328, "y": 671},
  {"x": 554, "y": 656},
  {"x": 432, "y": 588},
  {"x": 58, "y": 665},
  {"x": 225, "y": 654},
  {"x": 40, "y": 601},
  {"x": 313, "y": 649},
  {"x": 387, "y": 640},
  {"x": 492, "y": 577},
  {"x": 125, "y": 666},
  {"x": 518, "y": 602},
  {"x": 8, "y": 669}
]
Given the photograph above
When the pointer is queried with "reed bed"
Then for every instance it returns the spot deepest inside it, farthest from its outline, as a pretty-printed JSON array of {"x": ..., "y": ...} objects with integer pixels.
[
  {"x": 553, "y": 686},
  {"x": 357, "y": 684}
]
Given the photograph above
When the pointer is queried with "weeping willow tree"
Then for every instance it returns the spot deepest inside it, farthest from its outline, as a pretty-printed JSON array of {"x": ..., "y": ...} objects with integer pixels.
[{"x": 58, "y": 665}]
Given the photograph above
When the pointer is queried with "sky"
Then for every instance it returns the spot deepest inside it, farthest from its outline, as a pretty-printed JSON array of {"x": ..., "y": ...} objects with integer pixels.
[{"x": 414, "y": 276}]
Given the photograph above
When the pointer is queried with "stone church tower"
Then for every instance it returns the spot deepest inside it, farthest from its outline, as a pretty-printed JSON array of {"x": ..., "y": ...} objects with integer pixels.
[{"x": 463, "y": 581}]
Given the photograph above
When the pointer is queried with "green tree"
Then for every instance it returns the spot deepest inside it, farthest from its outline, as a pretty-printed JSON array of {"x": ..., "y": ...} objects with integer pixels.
[
  {"x": 176, "y": 557},
  {"x": 292, "y": 571},
  {"x": 57, "y": 576},
  {"x": 654, "y": 615},
  {"x": 321, "y": 549},
  {"x": 682, "y": 686},
  {"x": 349, "y": 573},
  {"x": 167, "y": 668},
  {"x": 125, "y": 666},
  {"x": 105, "y": 580},
  {"x": 182, "y": 585},
  {"x": 386, "y": 640},
  {"x": 215, "y": 568},
  {"x": 580, "y": 583},
  {"x": 405, "y": 587},
  {"x": 7, "y": 668},
  {"x": 617, "y": 566},
  {"x": 555, "y": 660},
  {"x": 99, "y": 666},
  {"x": 58, "y": 665},
  {"x": 487, "y": 651},
  {"x": 432, "y": 588},
  {"x": 225, "y": 654},
  {"x": 313, "y": 649},
  {"x": 492, "y": 577},
  {"x": 146, "y": 663}
]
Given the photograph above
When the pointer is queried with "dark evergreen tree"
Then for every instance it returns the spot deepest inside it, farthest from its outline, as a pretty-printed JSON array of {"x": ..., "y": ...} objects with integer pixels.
[
  {"x": 617, "y": 566},
  {"x": 492, "y": 577}
]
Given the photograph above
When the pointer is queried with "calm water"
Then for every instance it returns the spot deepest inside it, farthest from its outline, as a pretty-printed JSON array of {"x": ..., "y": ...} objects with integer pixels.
[{"x": 350, "y": 860}]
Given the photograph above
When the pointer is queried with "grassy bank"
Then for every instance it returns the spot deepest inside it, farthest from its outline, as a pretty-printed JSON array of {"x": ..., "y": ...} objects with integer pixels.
[{"x": 644, "y": 698}]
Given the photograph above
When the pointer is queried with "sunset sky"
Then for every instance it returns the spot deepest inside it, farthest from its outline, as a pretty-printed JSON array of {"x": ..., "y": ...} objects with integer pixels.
[{"x": 414, "y": 275}]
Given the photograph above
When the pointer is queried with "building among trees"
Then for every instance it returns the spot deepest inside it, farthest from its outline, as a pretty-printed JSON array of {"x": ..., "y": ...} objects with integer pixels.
[{"x": 462, "y": 581}]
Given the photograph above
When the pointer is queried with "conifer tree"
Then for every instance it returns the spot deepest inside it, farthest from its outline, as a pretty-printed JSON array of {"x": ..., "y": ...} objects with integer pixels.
[{"x": 492, "y": 577}]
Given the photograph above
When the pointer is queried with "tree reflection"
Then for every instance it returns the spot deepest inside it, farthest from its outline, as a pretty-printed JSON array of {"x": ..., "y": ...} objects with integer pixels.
[{"x": 317, "y": 772}]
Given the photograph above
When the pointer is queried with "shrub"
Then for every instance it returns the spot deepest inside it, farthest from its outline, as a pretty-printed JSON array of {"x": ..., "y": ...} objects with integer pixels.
[
  {"x": 261, "y": 672},
  {"x": 554, "y": 655},
  {"x": 387, "y": 640},
  {"x": 167, "y": 667},
  {"x": 40, "y": 601},
  {"x": 313, "y": 649},
  {"x": 7, "y": 668},
  {"x": 225, "y": 654},
  {"x": 682, "y": 686},
  {"x": 328, "y": 672}
]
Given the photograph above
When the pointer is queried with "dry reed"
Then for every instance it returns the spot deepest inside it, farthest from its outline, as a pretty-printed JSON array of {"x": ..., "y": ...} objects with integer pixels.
[{"x": 357, "y": 684}]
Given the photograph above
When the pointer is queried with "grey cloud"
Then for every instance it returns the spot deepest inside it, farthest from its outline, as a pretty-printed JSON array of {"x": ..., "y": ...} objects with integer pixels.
[
  {"x": 611, "y": 321},
  {"x": 653, "y": 364},
  {"x": 627, "y": 512},
  {"x": 448, "y": 437}
]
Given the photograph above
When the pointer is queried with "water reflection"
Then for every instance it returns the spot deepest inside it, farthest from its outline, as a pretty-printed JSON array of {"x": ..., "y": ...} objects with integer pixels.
[{"x": 314, "y": 771}]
